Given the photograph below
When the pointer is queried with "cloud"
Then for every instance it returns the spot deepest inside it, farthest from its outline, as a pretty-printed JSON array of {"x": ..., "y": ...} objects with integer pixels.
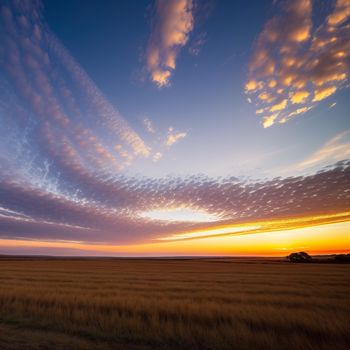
[
  {"x": 321, "y": 94},
  {"x": 173, "y": 25},
  {"x": 297, "y": 63},
  {"x": 197, "y": 44},
  {"x": 299, "y": 97},
  {"x": 340, "y": 14},
  {"x": 112, "y": 211},
  {"x": 50, "y": 102},
  {"x": 269, "y": 120},
  {"x": 279, "y": 106},
  {"x": 147, "y": 123},
  {"x": 336, "y": 149},
  {"x": 294, "y": 113},
  {"x": 157, "y": 156},
  {"x": 174, "y": 137}
]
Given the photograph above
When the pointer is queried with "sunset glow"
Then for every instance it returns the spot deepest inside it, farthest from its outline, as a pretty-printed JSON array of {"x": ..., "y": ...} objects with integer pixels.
[{"x": 180, "y": 215}]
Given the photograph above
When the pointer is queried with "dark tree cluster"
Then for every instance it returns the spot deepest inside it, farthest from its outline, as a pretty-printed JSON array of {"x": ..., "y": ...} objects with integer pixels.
[
  {"x": 300, "y": 257},
  {"x": 342, "y": 258}
]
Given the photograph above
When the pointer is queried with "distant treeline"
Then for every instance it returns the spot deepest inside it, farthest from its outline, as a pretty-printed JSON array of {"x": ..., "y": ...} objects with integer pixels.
[{"x": 303, "y": 257}]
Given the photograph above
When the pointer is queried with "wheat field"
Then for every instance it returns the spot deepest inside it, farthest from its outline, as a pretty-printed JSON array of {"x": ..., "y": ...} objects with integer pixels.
[{"x": 173, "y": 304}]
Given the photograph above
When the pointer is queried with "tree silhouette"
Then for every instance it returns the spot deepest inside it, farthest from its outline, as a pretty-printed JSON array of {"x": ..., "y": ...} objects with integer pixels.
[
  {"x": 342, "y": 258},
  {"x": 300, "y": 257}
]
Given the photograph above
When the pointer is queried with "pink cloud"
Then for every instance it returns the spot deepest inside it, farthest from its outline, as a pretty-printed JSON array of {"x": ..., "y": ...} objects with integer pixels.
[{"x": 173, "y": 25}]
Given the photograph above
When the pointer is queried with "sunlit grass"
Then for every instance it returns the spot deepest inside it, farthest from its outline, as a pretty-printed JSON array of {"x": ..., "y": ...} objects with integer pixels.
[{"x": 176, "y": 304}]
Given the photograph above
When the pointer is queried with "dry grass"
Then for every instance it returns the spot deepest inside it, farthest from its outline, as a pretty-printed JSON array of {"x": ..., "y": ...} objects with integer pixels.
[{"x": 173, "y": 304}]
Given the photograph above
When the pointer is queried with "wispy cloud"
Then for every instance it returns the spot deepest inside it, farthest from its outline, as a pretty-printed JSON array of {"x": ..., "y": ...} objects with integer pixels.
[
  {"x": 336, "y": 149},
  {"x": 173, "y": 25},
  {"x": 197, "y": 44},
  {"x": 296, "y": 64},
  {"x": 157, "y": 156},
  {"x": 174, "y": 136},
  {"x": 147, "y": 123}
]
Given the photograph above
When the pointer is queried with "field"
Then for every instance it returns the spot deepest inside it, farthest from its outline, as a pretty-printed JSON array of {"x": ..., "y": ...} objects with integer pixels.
[{"x": 173, "y": 304}]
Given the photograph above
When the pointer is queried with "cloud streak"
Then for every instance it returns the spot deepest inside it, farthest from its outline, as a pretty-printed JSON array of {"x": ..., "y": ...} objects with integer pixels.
[
  {"x": 336, "y": 149},
  {"x": 173, "y": 25},
  {"x": 173, "y": 136},
  {"x": 296, "y": 64}
]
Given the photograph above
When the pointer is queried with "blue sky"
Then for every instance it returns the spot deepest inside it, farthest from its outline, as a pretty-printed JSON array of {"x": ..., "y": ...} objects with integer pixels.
[
  {"x": 112, "y": 110},
  {"x": 205, "y": 97}
]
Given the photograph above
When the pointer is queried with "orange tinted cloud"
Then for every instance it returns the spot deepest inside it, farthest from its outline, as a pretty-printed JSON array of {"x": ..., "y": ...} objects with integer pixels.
[
  {"x": 174, "y": 137},
  {"x": 264, "y": 96},
  {"x": 174, "y": 23},
  {"x": 299, "y": 29},
  {"x": 253, "y": 85},
  {"x": 294, "y": 113},
  {"x": 321, "y": 94},
  {"x": 299, "y": 96},
  {"x": 296, "y": 65},
  {"x": 279, "y": 106},
  {"x": 269, "y": 120},
  {"x": 340, "y": 14}
]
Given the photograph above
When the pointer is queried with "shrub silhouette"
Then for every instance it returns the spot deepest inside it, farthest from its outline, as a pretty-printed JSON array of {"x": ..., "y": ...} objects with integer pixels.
[
  {"x": 300, "y": 257},
  {"x": 342, "y": 258}
]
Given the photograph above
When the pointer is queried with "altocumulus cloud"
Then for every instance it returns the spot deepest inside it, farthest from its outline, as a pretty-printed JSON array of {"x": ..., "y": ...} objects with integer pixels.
[
  {"x": 111, "y": 210},
  {"x": 45, "y": 92},
  {"x": 295, "y": 63}
]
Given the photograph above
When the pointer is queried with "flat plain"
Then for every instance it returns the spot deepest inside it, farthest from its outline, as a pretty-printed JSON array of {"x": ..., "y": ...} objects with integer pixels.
[{"x": 225, "y": 303}]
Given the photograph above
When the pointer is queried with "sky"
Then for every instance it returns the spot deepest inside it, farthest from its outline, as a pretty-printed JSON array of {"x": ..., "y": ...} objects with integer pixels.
[{"x": 178, "y": 127}]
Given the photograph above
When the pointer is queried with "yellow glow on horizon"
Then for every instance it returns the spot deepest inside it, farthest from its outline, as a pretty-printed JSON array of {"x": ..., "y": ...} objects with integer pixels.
[
  {"x": 259, "y": 226},
  {"x": 317, "y": 238},
  {"x": 210, "y": 233}
]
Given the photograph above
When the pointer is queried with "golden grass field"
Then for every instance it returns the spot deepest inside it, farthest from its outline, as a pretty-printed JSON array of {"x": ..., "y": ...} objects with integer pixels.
[{"x": 173, "y": 304}]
